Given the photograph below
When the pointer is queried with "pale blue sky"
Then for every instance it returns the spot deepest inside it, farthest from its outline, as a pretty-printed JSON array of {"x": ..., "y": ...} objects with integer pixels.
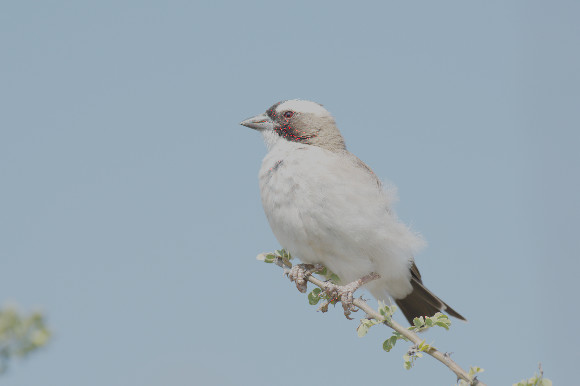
[{"x": 129, "y": 203}]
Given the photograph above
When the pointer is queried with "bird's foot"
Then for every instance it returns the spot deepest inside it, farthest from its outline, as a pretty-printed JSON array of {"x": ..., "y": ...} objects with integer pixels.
[
  {"x": 345, "y": 293},
  {"x": 300, "y": 272}
]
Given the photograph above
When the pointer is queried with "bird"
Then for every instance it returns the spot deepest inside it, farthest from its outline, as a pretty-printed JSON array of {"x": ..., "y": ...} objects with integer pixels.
[{"x": 326, "y": 206}]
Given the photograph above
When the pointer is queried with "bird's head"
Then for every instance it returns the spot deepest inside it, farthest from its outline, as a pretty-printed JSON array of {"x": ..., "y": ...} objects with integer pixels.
[{"x": 298, "y": 121}]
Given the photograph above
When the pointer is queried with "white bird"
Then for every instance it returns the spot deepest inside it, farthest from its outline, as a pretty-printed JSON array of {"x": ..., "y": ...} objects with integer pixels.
[{"x": 325, "y": 206}]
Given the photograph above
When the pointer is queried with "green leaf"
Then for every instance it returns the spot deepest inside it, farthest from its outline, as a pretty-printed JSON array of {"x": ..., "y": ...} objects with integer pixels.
[
  {"x": 386, "y": 311},
  {"x": 269, "y": 258},
  {"x": 441, "y": 320},
  {"x": 365, "y": 325},
  {"x": 313, "y": 296},
  {"x": 334, "y": 278},
  {"x": 362, "y": 330},
  {"x": 418, "y": 322},
  {"x": 389, "y": 343},
  {"x": 424, "y": 346},
  {"x": 474, "y": 370},
  {"x": 408, "y": 361},
  {"x": 399, "y": 336},
  {"x": 266, "y": 257}
]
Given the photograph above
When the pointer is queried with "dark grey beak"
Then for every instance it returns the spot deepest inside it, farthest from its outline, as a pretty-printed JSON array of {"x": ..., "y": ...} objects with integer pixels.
[{"x": 259, "y": 122}]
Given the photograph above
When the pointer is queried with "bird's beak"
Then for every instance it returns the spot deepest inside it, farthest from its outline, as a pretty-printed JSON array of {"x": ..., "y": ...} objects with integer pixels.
[{"x": 259, "y": 122}]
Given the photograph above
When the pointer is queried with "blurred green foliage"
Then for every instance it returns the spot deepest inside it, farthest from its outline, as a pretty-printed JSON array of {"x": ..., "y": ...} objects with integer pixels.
[
  {"x": 20, "y": 335},
  {"x": 537, "y": 380}
]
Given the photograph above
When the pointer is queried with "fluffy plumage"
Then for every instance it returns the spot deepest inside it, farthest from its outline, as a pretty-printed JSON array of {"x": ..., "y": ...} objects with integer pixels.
[{"x": 326, "y": 206}]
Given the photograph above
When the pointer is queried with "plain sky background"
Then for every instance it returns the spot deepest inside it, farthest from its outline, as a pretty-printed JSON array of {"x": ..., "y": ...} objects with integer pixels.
[{"x": 129, "y": 201}]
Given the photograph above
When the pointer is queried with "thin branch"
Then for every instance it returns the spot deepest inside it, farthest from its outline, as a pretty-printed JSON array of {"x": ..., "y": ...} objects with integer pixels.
[{"x": 410, "y": 335}]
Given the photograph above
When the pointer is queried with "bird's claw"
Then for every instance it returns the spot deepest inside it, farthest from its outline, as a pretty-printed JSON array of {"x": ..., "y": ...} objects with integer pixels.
[
  {"x": 345, "y": 294},
  {"x": 300, "y": 272}
]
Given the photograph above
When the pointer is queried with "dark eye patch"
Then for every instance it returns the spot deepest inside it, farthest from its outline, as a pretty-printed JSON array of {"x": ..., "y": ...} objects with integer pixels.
[{"x": 271, "y": 112}]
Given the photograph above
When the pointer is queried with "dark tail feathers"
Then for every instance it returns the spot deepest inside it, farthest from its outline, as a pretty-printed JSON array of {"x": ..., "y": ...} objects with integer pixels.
[{"x": 422, "y": 302}]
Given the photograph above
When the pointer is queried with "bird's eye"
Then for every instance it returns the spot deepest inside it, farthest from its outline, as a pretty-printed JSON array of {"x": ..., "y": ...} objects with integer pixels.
[{"x": 288, "y": 114}]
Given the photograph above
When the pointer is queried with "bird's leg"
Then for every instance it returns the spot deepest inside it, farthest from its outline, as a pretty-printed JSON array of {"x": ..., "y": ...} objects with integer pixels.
[
  {"x": 300, "y": 272},
  {"x": 345, "y": 293}
]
